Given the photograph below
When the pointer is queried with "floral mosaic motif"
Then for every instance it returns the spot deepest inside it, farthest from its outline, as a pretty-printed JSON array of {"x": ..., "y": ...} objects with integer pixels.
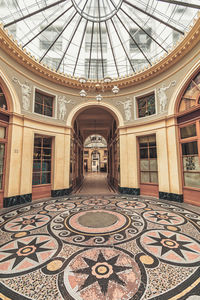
[
  {"x": 27, "y": 223},
  {"x": 102, "y": 274},
  {"x": 23, "y": 255},
  {"x": 60, "y": 206},
  {"x": 163, "y": 217},
  {"x": 131, "y": 204},
  {"x": 171, "y": 247}
]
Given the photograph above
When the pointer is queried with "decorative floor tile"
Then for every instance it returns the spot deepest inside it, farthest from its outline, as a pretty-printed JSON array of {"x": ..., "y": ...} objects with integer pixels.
[{"x": 107, "y": 247}]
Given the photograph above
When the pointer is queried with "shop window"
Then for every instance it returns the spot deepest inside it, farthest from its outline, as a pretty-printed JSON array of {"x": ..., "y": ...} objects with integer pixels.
[
  {"x": 42, "y": 160},
  {"x": 105, "y": 152},
  {"x": 148, "y": 159},
  {"x": 43, "y": 104},
  {"x": 190, "y": 155},
  {"x": 141, "y": 38},
  {"x": 146, "y": 105},
  {"x": 191, "y": 95}
]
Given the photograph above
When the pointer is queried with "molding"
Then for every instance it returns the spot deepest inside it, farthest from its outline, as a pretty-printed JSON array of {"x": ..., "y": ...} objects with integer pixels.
[
  {"x": 130, "y": 191},
  {"x": 16, "y": 200},
  {"x": 27, "y": 60},
  {"x": 171, "y": 197},
  {"x": 62, "y": 192}
]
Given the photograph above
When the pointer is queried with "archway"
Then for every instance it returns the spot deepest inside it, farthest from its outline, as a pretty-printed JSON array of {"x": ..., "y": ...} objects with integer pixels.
[{"x": 96, "y": 121}]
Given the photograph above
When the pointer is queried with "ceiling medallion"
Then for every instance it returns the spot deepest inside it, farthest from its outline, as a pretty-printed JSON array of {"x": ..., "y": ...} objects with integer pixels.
[{"x": 94, "y": 11}]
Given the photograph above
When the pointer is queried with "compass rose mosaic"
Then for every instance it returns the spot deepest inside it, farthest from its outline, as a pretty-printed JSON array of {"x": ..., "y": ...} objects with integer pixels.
[{"x": 100, "y": 247}]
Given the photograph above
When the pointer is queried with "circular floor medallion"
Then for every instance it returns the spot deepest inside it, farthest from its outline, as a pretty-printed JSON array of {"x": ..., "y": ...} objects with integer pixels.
[
  {"x": 171, "y": 247},
  {"x": 101, "y": 274},
  {"x": 105, "y": 222},
  {"x": 26, "y": 254}
]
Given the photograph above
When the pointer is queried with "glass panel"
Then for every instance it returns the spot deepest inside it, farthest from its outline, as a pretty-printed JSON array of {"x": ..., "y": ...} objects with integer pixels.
[
  {"x": 1, "y": 182},
  {"x": 46, "y": 177},
  {"x": 143, "y": 145},
  {"x": 36, "y": 178},
  {"x": 2, "y": 132},
  {"x": 46, "y": 153},
  {"x": 46, "y": 165},
  {"x": 37, "y": 153},
  {"x": 152, "y": 152},
  {"x": 143, "y": 153},
  {"x": 48, "y": 111},
  {"x": 38, "y": 141},
  {"x": 3, "y": 103},
  {"x": 38, "y": 98},
  {"x": 188, "y": 131},
  {"x": 2, "y": 149},
  {"x": 191, "y": 163},
  {"x": 192, "y": 179},
  {"x": 143, "y": 139},
  {"x": 1, "y": 167},
  {"x": 38, "y": 108},
  {"x": 144, "y": 165},
  {"x": 48, "y": 100},
  {"x": 153, "y": 164},
  {"x": 36, "y": 165},
  {"x": 189, "y": 148},
  {"x": 47, "y": 142},
  {"x": 154, "y": 177},
  {"x": 145, "y": 177}
]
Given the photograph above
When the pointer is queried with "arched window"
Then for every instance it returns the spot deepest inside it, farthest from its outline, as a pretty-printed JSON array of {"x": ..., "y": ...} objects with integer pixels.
[{"x": 191, "y": 95}]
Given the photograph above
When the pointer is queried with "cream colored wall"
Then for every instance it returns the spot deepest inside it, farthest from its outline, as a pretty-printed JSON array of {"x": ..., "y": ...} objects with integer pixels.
[
  {"x": 20, "y": 155},
  {"x": 169, "y": 174}
]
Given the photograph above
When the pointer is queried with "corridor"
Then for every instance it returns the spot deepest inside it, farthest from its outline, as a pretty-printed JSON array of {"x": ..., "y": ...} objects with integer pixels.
[{"x": 95, "y": 183}]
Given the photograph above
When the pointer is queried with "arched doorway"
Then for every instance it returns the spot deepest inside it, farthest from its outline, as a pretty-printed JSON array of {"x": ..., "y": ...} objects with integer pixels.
[
  {"x": 188, "y": 119},
  {"x": 4, "y": 121},
  {"x": 95, "y": 121}
]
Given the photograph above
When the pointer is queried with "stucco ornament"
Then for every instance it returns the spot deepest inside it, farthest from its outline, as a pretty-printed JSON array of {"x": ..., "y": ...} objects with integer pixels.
[
  {"x": 62, "y": 106},
  {"x": 127, "y": 108},
  {"x": 162, "y": 95},
  {"x": 26, "y": 92}
]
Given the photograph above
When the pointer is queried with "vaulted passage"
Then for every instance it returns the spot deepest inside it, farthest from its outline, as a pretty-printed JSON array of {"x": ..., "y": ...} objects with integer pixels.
[{"x": 95, "y": 151}]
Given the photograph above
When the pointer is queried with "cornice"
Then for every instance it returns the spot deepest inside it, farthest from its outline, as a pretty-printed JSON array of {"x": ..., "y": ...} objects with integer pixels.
[{"x": 24, "y": 58}]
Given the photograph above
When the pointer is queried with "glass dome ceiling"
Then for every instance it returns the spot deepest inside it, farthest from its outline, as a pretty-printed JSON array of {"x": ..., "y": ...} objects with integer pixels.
[{"x": 98, "y": 38}]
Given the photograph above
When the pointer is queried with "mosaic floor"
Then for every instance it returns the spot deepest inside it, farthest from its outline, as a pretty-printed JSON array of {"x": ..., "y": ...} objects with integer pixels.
[{"x": 100, "y": 248}]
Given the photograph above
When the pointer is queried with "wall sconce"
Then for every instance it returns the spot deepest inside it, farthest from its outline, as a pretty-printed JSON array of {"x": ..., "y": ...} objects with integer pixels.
[
  {"x": 99, "y": 97},
  {"x": 83, "y": 93},
  {"x": 115, "y": 89}
]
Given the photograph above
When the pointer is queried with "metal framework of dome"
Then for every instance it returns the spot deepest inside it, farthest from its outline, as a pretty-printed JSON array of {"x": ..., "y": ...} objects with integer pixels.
[{"x": 94, "y": 38}]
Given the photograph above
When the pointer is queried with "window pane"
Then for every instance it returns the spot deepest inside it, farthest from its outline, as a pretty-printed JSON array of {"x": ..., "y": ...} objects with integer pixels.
[
  {"x": 47, "y": 142},
  {"x": 154, "y": 177},
  {"x": 1, "y": 182},
  {"x": 143, "y": 153},
  {"x": 145, "y": 177},
  {"x": 38, "y": 108},
  {"x": 46, "y": 177},
  {"x": 153, "y": 164},
  {"x": 37, "y": 153},
  {"x": 192, "y": 179},
  {"x": 46, "y": 165},
  {"x": 144, "y": 165},
  {"x": 191, "y": 163},
  {"x": 188, "y": 131},
  {"x": 2, "y": 132},
  {"x": 36, "y": 178},
  {"x": 38, "y": 98},
  {"x": 152, "y": 153},
  {"x": 37, "y": 141},
  {"x": 2, "y": 149},
  {"x": 36, "y": 165},
  {"x": 48, "y": 111},
  {"x": 46, "y": 153},
  {"x": 189, "y": 148}
]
